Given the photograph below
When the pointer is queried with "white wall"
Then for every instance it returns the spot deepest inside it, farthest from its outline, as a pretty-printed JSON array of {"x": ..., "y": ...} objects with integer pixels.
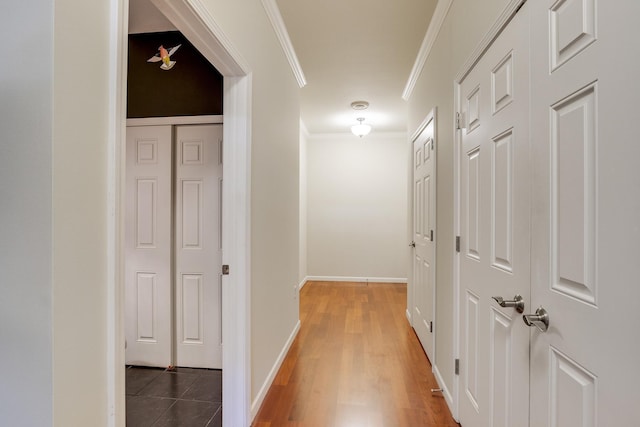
[
  {"x": 357, "y": 206},
  {"x": 25, "y": 214},
  {"x": 463, "y": 28}
]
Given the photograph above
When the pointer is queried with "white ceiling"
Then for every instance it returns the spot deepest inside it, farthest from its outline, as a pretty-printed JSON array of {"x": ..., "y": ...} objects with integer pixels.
[{"x": 349, "y": 50}]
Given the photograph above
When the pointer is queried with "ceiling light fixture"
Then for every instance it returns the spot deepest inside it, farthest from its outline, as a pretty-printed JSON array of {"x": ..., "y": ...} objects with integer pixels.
[{"x": 360, "y": 129}]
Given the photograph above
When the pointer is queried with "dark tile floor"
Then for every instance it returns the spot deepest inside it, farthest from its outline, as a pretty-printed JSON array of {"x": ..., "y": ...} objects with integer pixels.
[{"x": 185, "y": 397}]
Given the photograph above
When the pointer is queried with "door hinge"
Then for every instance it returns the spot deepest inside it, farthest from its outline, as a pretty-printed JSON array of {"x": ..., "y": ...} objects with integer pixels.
[
  {"x": 225, "y": 270},
  {"x": 458, "y": 244},
  {"x": 457, "y": 367},
  {"x": 431, "y": 326},
  {"x": 431, "y": 236},
  {"x": 459, "y": 120}
]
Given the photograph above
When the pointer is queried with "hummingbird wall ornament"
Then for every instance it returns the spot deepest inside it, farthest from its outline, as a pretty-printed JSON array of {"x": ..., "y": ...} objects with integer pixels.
[{"x": 165, "y": 56}]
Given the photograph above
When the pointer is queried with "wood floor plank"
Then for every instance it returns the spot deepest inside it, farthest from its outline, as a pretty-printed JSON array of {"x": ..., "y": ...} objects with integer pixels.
[{"x": 355, "y": 362}]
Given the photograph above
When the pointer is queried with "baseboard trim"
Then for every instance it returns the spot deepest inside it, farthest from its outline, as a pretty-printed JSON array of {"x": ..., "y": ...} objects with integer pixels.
[
  {"x": 303, "y": 282},
  {"x": 445, "y": 391},
  {"x": 357, "y": 279},
  {"x": 257, "y": 402},
  {"x": 408, "y": 313}
]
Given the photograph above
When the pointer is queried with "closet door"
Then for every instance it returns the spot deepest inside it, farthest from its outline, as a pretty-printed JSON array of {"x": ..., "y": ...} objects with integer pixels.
[
  {"x": 198, "y": 246},
  {"x": 148, "y": 246}
]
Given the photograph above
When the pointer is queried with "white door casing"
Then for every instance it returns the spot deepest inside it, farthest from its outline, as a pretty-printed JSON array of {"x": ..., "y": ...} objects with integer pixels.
[
  {"x": 423, "y": 256},
  {"x": 586, "y": 205},
  {"x": 148, "y": 242},
  {"x": 494, "y": 224},
  {"x": 198, "y": 246}
]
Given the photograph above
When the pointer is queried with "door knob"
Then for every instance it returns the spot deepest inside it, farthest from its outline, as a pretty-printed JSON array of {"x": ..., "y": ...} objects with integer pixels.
[
  {"x": 540, "y": 320},
  {"x": 517, "y": 302}
]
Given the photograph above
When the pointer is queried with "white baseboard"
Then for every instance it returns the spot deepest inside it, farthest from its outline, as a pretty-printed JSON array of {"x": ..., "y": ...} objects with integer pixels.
[
  {"x": 357, "y": 279},
  {"x": 257, "y": 402},
  {"x": 303, "y": 282},
  {"x": 445, "y": 391},
  {"x": 408, "y": 313}
]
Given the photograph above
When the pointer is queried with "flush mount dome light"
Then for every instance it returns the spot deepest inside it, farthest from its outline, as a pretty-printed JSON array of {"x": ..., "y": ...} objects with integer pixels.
[{"x": 360, "y": 129}]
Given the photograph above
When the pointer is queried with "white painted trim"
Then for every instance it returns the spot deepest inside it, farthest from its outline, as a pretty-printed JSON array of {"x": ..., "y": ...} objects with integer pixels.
[
  {"x": 439, "y": 14},
  {"x": 193, "y": 20},
  {"x": 408, "y": 314},
  {"x": 341, "y": 136},
  {"x": 176, "y": 120},
  {"x": 273, "y": 12},
  {"x": 236, "y": 244},
  {"x": 115, "y": 358},
  {"x": 357, "y": 279},
  {"x": 257, "y": 402},
  {"x": 445, "y": 391},
  {"x": 457, "y": 150},
  {"x": 424, "y": 124},
  {"x": 502, "y": 20},
  {"x": 302, "y": 283},
  {"x": 304, "y": 129}
]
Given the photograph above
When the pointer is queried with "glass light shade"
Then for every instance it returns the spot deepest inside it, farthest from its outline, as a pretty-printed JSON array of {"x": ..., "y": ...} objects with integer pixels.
[{"x": 360, "y": 129}]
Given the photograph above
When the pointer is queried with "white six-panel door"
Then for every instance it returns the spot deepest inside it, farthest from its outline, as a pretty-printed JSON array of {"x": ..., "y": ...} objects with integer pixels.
[
  {"x": 148, "y": 243},
  {"x": 173, "y": 246},
  {"x": 494, "y": 222},
  {"x": 586, "y": 196},
  {"x": 198, "y": 246},
  {"x": 424, "y": 197}
]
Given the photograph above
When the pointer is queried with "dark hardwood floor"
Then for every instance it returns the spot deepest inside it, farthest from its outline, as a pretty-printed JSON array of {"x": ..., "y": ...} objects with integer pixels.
[{"x": 356, "y": 362}]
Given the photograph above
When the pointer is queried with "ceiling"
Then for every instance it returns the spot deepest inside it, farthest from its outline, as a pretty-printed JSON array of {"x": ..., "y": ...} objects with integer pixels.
[
  {"x": 349, "y": 50},
  {"x": 355, "y": 50}
]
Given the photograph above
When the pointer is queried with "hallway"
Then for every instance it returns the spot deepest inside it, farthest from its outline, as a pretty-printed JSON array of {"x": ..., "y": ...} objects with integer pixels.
[{"x": 355, "y": 362}]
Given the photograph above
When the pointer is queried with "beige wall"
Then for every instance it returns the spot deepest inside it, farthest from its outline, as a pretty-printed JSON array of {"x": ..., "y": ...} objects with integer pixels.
[
  {"x": 274, "y": 180},
  {"x": 302, "y": 272},
  {"x": 356, "y": 218},
  {"x": 463, "y": 28}
]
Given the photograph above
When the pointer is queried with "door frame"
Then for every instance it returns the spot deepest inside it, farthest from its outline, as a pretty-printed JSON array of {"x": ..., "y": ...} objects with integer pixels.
[
  {"x": 201, "y": 29},
  {"x": 430, "y": 117},
  {"x": 510, "y": 9}
]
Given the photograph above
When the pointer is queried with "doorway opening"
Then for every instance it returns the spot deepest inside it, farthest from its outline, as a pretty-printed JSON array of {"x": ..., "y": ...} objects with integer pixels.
[{"x": 202, "y": 30}]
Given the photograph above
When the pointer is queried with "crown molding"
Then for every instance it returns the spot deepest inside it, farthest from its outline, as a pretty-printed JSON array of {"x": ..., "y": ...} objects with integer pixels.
[
  {"x": 273, "y": 12},
  {"x": 442, "y": 8}
]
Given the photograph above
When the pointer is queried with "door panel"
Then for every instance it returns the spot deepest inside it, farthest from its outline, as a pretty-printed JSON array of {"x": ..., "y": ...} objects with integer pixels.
[
  {"x": 494, "y": 209},
  {"x": 423, "y": 230},
  {"x": 586, "y": 204},
  {"x": 198, "y": 246},
  {"x": 148, "y": 246}
]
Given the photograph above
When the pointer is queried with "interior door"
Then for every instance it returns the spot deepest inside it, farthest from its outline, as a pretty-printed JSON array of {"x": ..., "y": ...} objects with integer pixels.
[
  {"x": 148, "y": 246},
  {"x": 199, "y": 246},
  {"x": 424, "y": 197},
  {"x": 586, "y": 198},
  {"x": 494, "y": 223}
]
